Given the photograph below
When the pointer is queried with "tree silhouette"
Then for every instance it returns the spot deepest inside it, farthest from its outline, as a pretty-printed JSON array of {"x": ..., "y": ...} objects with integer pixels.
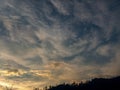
[{"x": 95, "y": 84}]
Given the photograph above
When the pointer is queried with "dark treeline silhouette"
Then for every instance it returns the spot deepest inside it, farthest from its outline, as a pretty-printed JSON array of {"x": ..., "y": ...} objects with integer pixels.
[{"x": 95, "y": 84}]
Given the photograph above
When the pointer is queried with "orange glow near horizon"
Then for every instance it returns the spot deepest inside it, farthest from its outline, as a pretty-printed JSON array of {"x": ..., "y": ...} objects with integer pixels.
[{"x": 12, "y": 85}]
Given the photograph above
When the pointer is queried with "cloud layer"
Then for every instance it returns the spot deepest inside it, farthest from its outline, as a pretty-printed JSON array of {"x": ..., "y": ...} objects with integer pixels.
[{"x": 44, "y": 41}]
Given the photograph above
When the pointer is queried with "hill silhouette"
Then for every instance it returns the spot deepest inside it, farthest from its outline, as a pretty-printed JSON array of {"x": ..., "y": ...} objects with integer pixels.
[{"x": 94, "y": 84}]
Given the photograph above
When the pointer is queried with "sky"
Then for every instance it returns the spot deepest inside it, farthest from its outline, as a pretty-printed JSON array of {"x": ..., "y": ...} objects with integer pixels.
[{"x": 47, "y": 42}]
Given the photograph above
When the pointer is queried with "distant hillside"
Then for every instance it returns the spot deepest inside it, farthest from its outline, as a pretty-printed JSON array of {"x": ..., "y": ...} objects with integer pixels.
[{"x": 95, "y": 84}]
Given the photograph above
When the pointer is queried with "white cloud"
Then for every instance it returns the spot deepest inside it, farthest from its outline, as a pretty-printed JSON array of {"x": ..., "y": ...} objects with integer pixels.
[{"x": 104, "y": 50}]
